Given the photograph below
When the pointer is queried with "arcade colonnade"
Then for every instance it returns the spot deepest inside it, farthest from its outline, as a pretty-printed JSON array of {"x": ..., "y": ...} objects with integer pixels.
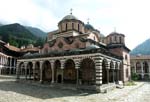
[
  {"x": 142, "y": 68},
  {"x": 91, "y": 69},
  {"x": 7, "y": 64}
]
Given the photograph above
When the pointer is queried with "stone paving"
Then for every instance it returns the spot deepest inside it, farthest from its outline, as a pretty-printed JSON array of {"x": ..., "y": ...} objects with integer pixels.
[{"x": 11, "y": 91}]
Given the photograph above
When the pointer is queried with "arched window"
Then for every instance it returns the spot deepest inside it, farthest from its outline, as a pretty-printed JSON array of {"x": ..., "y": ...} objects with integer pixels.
[
  {"x": 72, "y": 25},
  {"x": 120, "y": 39},
  {"x": 126, "y": 57},
  {"x": 66, "y": 26}
]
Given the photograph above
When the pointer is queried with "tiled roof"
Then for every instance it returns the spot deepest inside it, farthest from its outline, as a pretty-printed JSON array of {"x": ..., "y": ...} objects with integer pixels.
[
  {"x": 140, "y": 57},
  {"x": 13, "y": 48},
  {"x": 30, "y": 49}
]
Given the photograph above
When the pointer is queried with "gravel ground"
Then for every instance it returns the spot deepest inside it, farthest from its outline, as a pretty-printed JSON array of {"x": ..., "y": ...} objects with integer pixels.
[{"x": 11, "y": 91}]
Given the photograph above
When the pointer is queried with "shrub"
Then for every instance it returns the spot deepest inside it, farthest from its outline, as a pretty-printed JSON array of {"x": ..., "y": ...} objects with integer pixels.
[{"x": 134, "y": 76}]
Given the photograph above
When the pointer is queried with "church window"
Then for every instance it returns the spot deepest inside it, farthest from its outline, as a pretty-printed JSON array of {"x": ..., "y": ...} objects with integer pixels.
[
  {"x": 72, "y": 25},
  {"x": 66, "y": 26},
  {"x": 126, "y": 57},
  {"x": 120, "y": 39}
]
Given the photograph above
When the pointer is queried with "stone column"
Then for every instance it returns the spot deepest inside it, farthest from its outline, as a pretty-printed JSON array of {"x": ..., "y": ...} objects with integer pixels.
[
  {"x": 107, "y": 69},
  {"x": 14, "y": 65},
  {"x": 18, "y": 72},
  {"x": 107, "y": 75},
  {"x": 135, "y": 67},
  {"x": 10, "y": 65},
  {"x": 25, "y": 67},
  {"x": 113, "y": 74},
  {"x": 33, "y": 70},
  {"x": 98, "y": 71},
  {"x": 62, "y": 67},
  {"x": 77, "y": 66},
  {"x": 52, "y": 68},
  {"x": 41, "y": 72},
  {"x": 142, "y": 69}
]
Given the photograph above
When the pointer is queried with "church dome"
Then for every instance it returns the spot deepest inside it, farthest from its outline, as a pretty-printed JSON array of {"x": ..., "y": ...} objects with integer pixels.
[
  {"x": 70, "y": 17},
  {"x": 88, "y": 26},
  {"x": 70, "y": 22}
]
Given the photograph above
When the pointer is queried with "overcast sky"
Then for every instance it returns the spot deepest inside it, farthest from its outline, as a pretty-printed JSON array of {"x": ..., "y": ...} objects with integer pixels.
[{"x": 130, "y": 17}]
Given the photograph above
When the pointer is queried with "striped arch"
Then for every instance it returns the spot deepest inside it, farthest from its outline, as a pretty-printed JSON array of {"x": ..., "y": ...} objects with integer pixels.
[
  {"x": 21, "y": 68},
  {"x": 29, "y": 69},
  {"x": 87, "y": 71},
  {"x": 69, "y": 73},
  {"x": 37, "y": 71},
  {"x": 46, "y": 71},
  {"x": 104, "y": 71}
]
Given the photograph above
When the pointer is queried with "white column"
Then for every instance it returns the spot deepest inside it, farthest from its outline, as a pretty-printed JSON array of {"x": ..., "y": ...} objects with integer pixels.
[
  {"x": 41, "y": 72},
  {"x": 10, "y": 66},
  {"x": 52, "y": 68},
  {"x": 62, "y": 68},
  {"x": 77, "y": 66},
  {"x": 33, "y": 73},
  {"x": 142, "y": 69},
  {"x": 14, "y": 66},
  {"x": 25, "y": 65},
  {"x": 134, "y": 66}
]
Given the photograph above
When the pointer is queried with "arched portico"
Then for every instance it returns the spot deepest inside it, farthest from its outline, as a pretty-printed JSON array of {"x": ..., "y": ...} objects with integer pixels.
[
  {"x": 87, "y": 71},
  {"x": 29, "y": 70},
  {"x": 105, "y": 72},
  {"x": 58, "y": 72},
  {"x": 37, "y": 71},
  {"x": 46, "y": 71},
  {"x": 111, "y": 72},
  {"x": 69, "y": 72}
]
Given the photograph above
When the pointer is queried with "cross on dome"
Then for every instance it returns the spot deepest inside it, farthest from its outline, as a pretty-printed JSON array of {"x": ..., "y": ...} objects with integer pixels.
[
  {"x": 71, "y": 11},
  {"x": 88, "y": 21}
]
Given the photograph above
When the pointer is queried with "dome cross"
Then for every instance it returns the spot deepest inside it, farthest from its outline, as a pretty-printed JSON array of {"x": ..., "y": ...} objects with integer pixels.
[{"x": 71, "y": 11}]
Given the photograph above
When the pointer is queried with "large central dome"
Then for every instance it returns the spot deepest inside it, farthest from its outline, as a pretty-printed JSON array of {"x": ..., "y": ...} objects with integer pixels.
[{"x": 70, "y": 17}]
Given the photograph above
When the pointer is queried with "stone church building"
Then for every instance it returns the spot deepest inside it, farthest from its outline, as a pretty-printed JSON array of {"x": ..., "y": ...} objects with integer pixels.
[{"x": 78, "y": 54}]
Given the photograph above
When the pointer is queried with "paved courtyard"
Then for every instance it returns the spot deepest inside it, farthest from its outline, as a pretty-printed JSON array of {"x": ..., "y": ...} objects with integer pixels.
[{"x": 10, "y": 91}]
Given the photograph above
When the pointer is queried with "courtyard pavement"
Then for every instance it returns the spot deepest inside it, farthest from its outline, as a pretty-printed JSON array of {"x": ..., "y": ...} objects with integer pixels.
[{"x": 12, "y": 91}]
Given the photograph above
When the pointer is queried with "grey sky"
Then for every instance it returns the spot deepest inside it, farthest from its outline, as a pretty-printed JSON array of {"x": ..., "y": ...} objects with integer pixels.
[{"x": 130, "y": 17}]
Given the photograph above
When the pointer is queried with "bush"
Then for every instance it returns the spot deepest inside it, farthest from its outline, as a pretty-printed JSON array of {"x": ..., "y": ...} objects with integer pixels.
[
  {"x": 134, "y": 76},
  {"x": 130, "y": 83}
]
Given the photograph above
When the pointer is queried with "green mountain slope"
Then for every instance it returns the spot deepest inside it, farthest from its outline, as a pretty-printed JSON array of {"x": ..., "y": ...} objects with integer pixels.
[
  {"x": 37, "y": 32},
  {"x": 18, "y": 35},
  {"x": 142, "y": 49}
]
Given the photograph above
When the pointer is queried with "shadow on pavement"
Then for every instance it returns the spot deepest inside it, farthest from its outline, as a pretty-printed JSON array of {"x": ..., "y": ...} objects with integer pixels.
[{"x": 7, "y": 84}]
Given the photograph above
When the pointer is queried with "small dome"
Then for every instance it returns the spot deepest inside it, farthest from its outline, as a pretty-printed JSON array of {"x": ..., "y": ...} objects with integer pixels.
[
  {"x": 89, "y": 26},
  {"x": 69, "y": 17}
]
